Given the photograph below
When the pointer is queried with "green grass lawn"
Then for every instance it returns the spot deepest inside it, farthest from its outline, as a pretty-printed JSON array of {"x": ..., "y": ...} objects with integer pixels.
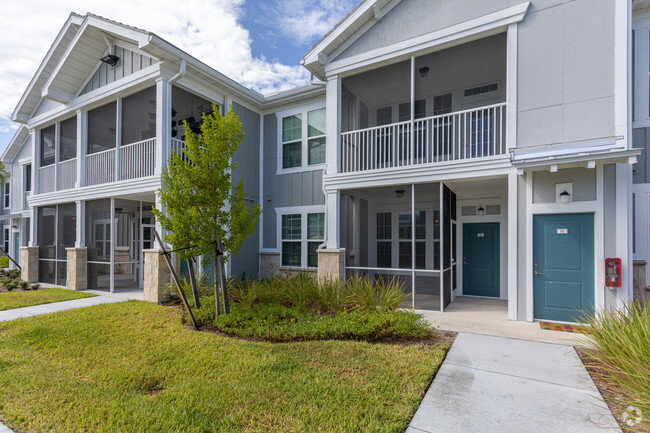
[
  {"x": 133, "y": 367},
  {"x": 11, "y": 300}
]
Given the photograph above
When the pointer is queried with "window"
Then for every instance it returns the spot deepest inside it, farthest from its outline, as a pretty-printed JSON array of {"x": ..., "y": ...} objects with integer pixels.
[
  {"x": 481, "y": 89},
  {"x": 28, "y": 178},
  {"x": 303, "y": 139},
  {"x": 405, "y": 110},
  {"x": 405, "y": 237},
  {"x": 7, "y": 201},
  {"x": 6, "y": 239},
  {"x": 442, "y": 104},
  {"x": 384, "y": 236},
  {"x": 301, "y": 233},
  {"x": 384, "y": 116}
]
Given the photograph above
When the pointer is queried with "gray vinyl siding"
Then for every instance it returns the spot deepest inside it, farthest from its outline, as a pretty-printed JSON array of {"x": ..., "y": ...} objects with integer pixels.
[
  {"x": 304, "y": 188},
  {"x": 566, "y": 72},
  {"x": 640, "y": 137},
  {"x": 248, "y": 168},
  {"x": 412, "y": 18},
  {"x": 130, "y": 62}
]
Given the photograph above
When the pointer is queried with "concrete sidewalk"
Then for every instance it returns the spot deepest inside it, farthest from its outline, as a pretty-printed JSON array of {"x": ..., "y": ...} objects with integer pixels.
[
  {"x": 37, "y": 310},
  {"x": 496, "y": 384}
]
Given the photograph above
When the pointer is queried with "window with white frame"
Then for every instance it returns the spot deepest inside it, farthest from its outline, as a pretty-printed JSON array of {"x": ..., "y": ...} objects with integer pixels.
[
  {"x": 641, "y": 70},
  {"x": 6, "y": 239},
  {"x": 7, "y": 201},
  {"x": 302, "y": 138},
  {"x": 301, "y": 232}
]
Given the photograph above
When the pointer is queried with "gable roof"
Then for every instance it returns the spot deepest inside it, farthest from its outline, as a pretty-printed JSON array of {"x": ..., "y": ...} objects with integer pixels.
[
  {"x": 15, "y": 144},
  {"x": 344, "y": 33}
]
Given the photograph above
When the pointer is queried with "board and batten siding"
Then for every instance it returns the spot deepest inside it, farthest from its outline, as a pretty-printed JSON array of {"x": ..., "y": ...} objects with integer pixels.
[
  {"x": 130, "y": 62},
  {"x": 303, "y": 188},
  {"x": 246, "y": 261}
]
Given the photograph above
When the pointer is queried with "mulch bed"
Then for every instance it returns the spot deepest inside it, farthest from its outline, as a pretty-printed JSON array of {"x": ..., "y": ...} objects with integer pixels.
[{"x": 611, "y": 392}]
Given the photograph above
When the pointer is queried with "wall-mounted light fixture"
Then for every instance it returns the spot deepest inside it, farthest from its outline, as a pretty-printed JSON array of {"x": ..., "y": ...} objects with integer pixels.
[
  {"x": 110, "y": 59},
  {"x": 399, "y": 193},
  {"x": 480, "y": 211},
  {"x": 424, "y": 71},
  {"x": 565, "y": 197}
]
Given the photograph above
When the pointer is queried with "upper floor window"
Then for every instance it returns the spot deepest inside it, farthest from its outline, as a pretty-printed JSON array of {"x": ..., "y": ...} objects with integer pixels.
[
  {"x": 303, "y": 139},
  {"x": 6, "y": 202},
  {"x": 641, "y": 72}
]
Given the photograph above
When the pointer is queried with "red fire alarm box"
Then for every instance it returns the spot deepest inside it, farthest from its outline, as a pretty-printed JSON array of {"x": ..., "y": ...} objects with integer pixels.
[{"x": 612, "y": 272}]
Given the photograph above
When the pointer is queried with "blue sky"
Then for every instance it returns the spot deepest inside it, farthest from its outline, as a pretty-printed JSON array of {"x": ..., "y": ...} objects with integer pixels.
[{"x": 258, "y": 43}]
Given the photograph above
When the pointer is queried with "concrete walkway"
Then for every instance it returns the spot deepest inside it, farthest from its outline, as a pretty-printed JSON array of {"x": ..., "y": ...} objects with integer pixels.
[
  {"x": 101, "y": 298},
  {"x": 496, "y": 384}
]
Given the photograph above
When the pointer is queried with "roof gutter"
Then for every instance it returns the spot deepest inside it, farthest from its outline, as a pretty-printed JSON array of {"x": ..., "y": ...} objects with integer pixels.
[{"x": 180, "y": 73}]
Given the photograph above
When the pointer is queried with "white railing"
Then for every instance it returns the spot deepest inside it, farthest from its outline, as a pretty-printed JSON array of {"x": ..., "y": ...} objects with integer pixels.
[
  {"x": 462, "y": 135},
  {"x": 46, "y": 179},
  {"x": 177, "y": 146},
  {"x": 138, "y": 159},
  {"x": 67, "y": 174},
  {"x": 100, "y": 167}
]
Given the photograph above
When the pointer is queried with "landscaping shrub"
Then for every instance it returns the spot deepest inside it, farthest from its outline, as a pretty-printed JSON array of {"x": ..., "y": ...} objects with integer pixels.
[
  {"x": 277, "y": 322},
  {"x": 35, "y": 286},
  {"x": 621, "y": 339},
  {"x": 4, "y": 262},
  {"x": 10, "y": 285},
  {"x": 23, "y": 285}
]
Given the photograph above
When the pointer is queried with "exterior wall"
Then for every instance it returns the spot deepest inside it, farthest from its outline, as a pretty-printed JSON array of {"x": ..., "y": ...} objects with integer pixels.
[
  {"x": 248, "y": 168},
  {"x": 414, "y": 18},
  {"x": 129, "y": 63},
  {"x": 522, "y": 259},
  {"x": 609, "y": 173},
  {"x": 301, "y": 188},
  {"x": 565, "y": 93},
  {"x": 583, "y": 180}
]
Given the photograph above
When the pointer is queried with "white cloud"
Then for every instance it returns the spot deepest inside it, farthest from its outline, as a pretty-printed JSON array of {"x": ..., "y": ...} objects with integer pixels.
[
  {"x": 210, "y": 30},
  {"x": 303, "y": 21}
]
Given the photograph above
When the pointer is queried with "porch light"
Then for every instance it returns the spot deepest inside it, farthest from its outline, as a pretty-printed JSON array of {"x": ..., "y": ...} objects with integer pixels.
[
  {"x": 110, "y": 59},
  {"x": 480, "y": 211},
  {"x": 399, "y": 193},
  {"x": 565, "y": 197},
  {"x": 424, "y": 71}
]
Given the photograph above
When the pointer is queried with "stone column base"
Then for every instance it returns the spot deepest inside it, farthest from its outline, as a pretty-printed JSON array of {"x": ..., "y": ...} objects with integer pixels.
[
  {"x": 156, "y": 277},
  {"x": 331, "y": 264},
  {"x": 29, "y": 260},
  {"x": 269, "y": 265},
  {"x": 77, "y": 269}
]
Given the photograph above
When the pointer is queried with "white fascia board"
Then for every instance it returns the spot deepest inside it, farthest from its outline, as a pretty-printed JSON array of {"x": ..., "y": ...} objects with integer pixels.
[
  {"x": 74, "y": 19},
  {"x": 483, "y": 26},
  {"x": 312, "y": 55},
  {"x": 114, "y": 189},
  {"x": 232, "y": 86},
  {"x": 612, "y": 156},
  {"x": 57, "y": 95},
  {"x": 493, "y": 166},
  {"x": 15, "y": 144}
]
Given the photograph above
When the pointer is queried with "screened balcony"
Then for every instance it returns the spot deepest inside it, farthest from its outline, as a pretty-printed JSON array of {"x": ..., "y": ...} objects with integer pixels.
[{"x": 441, "y": 107}]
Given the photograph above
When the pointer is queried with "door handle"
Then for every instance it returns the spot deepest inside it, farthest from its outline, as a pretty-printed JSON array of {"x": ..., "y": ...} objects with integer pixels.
[
  {"x": 465, "y": 263},
  {"x": 538, "y": 273}
]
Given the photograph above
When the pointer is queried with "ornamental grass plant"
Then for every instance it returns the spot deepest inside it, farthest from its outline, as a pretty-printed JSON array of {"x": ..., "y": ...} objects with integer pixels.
[{"x": 621, "y": 337}]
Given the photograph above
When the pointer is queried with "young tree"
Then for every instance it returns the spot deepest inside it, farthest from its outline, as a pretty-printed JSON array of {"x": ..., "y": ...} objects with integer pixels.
[{"x": 202, "y": 211}]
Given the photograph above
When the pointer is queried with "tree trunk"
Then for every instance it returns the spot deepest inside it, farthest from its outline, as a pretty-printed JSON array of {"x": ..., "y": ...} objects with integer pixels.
[
  {"x": 215, "y": 261},
  {"x": 224, "y": 283},
  {"x": 195, "y": 290}
]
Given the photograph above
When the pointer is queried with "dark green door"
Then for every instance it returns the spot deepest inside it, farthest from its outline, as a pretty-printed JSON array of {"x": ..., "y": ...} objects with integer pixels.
[
  {"x": 481, "y": 259},
  {"x": 563, "y": 266}
]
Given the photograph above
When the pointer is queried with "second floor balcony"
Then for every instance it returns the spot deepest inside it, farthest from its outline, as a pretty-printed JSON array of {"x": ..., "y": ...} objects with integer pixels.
[{"x": 456, "y": 136}]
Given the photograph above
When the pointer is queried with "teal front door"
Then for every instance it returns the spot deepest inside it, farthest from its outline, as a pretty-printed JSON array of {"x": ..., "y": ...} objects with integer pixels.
[
  {"x": 563, "y": 266},
  {"x": 481, "y": 259}
]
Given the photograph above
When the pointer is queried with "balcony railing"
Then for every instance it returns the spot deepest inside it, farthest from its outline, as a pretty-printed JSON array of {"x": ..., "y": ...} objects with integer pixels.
[
  {"x": 138, "y": 159},
  {"x": 67, "y": 174},
  {"x": 100, "y": 167},
  {"x": 46, "y": 179},
  {"x": 462, "y": 135}
]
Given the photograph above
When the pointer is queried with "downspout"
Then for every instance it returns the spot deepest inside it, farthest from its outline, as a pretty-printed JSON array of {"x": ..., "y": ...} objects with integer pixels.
[
  {"x": 314, "y": 82},
  {"x": 180, "y": 73}
]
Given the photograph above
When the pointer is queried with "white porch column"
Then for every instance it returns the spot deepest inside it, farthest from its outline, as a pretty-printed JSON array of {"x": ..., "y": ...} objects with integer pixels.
[
  {"x": 118, "y": 139},
  {"x": 80, "y": 221},
  {"x": 623, "y": 231},
  {"x": 82, "y": 139},
  {"x": 513, "y": 231},
  {"x": 36, "y": 165},
  {"x": 333, "y": 119},
  {"x": 333, "y": 219},
  {"x": 163, "y": 122},
  {"x": 511, "y": 87}
]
